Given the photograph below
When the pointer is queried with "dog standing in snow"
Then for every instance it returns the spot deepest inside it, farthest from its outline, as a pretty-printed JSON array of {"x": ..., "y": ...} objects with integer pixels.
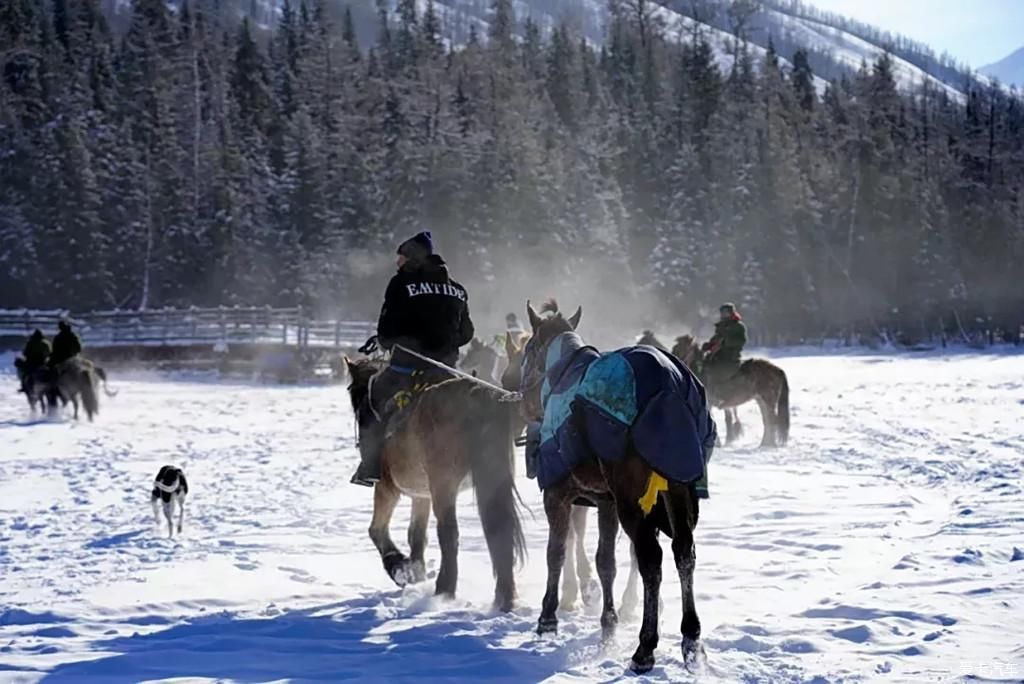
[{"x": 170, "y": 487}]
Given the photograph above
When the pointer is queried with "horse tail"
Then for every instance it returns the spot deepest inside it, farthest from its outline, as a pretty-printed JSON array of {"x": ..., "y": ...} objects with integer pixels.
[
  {"x": 90, "y": 400},
  {"x": 497, "y": 499},
  {"x": 783, "y": 409},
  {"x": 102, "y": 375}
]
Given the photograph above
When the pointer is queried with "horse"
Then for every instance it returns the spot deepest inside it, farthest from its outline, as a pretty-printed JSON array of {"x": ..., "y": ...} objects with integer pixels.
[
  {"x": 78, "y": 378},
  {"x": 451, "y": 431},
  {"x": 623, "y": 490},
  {"x": 578, "y": 578},
  {"x": 40, "y": 386},
  {"x": 650, "y": 339},
  {"x": 757, "y": 379},
  {"x": 482, "y": 360}
]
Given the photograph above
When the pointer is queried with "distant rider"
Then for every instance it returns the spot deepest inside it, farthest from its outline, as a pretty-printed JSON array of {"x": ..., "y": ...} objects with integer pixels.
[
  {"x": 424, "y": 311},
  {"x": 34, "y": 357},
  {"x": 725, "y": 346},
  {"x": 66, "y": 345}
]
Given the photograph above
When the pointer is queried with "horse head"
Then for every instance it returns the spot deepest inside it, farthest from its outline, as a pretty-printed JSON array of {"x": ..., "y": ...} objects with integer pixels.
[
  {"x": 533, "y": 361},
  {"x": 361, "y": 372},
  {"x": 686, "y": 350}
]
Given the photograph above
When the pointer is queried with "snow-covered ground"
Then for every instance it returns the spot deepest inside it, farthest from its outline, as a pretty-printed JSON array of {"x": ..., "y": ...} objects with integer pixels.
[{"x": 886, "y": 542}]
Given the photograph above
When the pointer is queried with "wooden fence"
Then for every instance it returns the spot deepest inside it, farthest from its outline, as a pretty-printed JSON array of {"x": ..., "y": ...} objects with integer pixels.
[{"x": 213, "y": 327}]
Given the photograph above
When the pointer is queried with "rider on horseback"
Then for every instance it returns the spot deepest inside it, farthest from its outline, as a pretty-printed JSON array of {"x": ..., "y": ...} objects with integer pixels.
[
  {"x": 424, "y": 311},
  {"x": 34, "y": 356},
  {"x": 66, "y": 345},
  {"x": 724, "y": 348}
]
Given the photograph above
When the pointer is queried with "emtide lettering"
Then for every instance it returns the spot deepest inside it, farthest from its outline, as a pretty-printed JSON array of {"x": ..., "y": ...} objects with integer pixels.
[{"x": 417, "y": 289}]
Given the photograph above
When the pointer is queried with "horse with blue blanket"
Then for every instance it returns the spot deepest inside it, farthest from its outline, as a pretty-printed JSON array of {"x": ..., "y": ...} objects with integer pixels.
[{"x": 630, "y": 430}]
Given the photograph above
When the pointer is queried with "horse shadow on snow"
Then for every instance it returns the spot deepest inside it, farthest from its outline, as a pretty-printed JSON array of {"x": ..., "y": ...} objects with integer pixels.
[{"x": 337, "y": 642}]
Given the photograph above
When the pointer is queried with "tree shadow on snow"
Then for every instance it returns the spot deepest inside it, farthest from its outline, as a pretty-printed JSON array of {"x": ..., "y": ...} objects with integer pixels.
[{"x": 347, "y": 641}]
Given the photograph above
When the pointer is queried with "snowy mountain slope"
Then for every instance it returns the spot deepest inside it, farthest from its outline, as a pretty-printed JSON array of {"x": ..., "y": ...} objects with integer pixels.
[
  {"x": 884, "y": 544},
  {"x": 1009, "y": 70},
  {"x": 589, "y": 17},
  {"x": 852, "y": 51}
]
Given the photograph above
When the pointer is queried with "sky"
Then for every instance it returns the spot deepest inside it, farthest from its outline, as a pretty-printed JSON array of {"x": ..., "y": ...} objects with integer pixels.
[{"x": 978, "y": 32}]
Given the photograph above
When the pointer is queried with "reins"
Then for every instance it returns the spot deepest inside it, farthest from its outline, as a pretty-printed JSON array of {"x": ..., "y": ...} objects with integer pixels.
[{"x": 505, "y": 395}]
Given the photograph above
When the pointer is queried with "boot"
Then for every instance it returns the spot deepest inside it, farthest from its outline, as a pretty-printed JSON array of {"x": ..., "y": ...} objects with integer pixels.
[{"x": 370, "y": 442}]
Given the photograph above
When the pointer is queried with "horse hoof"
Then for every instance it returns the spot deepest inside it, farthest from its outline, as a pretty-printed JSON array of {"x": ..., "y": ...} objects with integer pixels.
[
  {"x": 609, "y": 621},
  {"x": 547, "y": 625},
  {"x": 642, "y": 664},
  {"x": 504, "y": 605},
  {"x": 693, "y": 654},
  {"x": 402, "y": 575}
]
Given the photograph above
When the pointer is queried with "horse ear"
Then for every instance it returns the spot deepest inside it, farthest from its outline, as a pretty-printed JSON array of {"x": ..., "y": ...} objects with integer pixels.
[
  {"x": 574, "y": 320},
  {"x": 535, "y": 320},
  {"x": 348, "y": 362}
]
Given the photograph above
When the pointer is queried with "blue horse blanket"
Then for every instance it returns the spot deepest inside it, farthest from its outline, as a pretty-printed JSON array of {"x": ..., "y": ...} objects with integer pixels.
[{"x": 604, "y": 404}]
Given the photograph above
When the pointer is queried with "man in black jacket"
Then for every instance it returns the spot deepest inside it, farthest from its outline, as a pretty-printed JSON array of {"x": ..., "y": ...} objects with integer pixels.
[
  {"x": 66, "y": 344},
  {"x": 424, "y": 311}
]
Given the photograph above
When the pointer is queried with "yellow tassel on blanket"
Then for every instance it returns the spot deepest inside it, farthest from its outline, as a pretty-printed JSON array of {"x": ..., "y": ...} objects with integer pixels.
[{"x": 655, "y": 483}]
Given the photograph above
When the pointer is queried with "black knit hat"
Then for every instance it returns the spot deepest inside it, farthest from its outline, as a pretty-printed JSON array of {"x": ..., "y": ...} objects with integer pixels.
[{"x": 418, "y": 247}]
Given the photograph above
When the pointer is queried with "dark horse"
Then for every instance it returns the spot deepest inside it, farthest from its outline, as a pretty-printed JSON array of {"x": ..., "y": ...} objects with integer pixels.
[
  {"x": 453, "y": 432},
  {"x": 757, "y": 379},
  {"x": 616, "y": 487}
]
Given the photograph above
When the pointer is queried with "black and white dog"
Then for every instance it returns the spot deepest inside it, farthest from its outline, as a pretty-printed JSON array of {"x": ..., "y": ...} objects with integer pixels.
[{"x": 170, "y": 487}]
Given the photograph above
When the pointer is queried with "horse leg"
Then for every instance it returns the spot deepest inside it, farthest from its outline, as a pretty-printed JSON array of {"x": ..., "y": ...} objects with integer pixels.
[
  {"x": 418, "y": 523},
  {"x": 737, "y": 426},
  {"x": 557, "y": 507},
  {"x": 608, "y": 532},
  {"x": 385, "y": 498},
  {"x": 584, "y": 572},
  {"x": 768, "y": 418},
  {"x": 443, "y": 497},
  {"x": 644, "y": 533},
  {"x": 570, "y": 582},
  {"x": 681, "y": 505},
  {"x": 630, "y": 596},
  {"x": 730, "y": 426}
]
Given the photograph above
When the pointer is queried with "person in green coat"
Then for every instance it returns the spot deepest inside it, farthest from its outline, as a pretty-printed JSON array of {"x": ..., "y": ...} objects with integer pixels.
[{"x": 725, "y": 346}]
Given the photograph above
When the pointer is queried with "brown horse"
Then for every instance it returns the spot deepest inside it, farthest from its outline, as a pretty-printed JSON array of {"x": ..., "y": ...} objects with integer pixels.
[
  {"x": 578, "y": 577},
  {"x": 759, "y": 380},
  {"x": 616, "y": 488},
  {"x": 454, "y": 432}
]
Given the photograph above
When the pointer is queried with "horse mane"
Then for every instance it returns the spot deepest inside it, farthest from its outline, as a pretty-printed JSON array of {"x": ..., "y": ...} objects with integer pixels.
[{"x": 360, "y": 371}]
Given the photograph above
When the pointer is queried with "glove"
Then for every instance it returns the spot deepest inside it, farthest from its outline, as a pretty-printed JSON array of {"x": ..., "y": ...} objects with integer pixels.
[
  {"x": 370, "y": 346},
  {"x": 532, "y": 449}
]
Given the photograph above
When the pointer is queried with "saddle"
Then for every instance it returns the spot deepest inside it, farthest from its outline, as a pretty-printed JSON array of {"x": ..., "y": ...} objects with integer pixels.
[{"x": 394, "y": 405}]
